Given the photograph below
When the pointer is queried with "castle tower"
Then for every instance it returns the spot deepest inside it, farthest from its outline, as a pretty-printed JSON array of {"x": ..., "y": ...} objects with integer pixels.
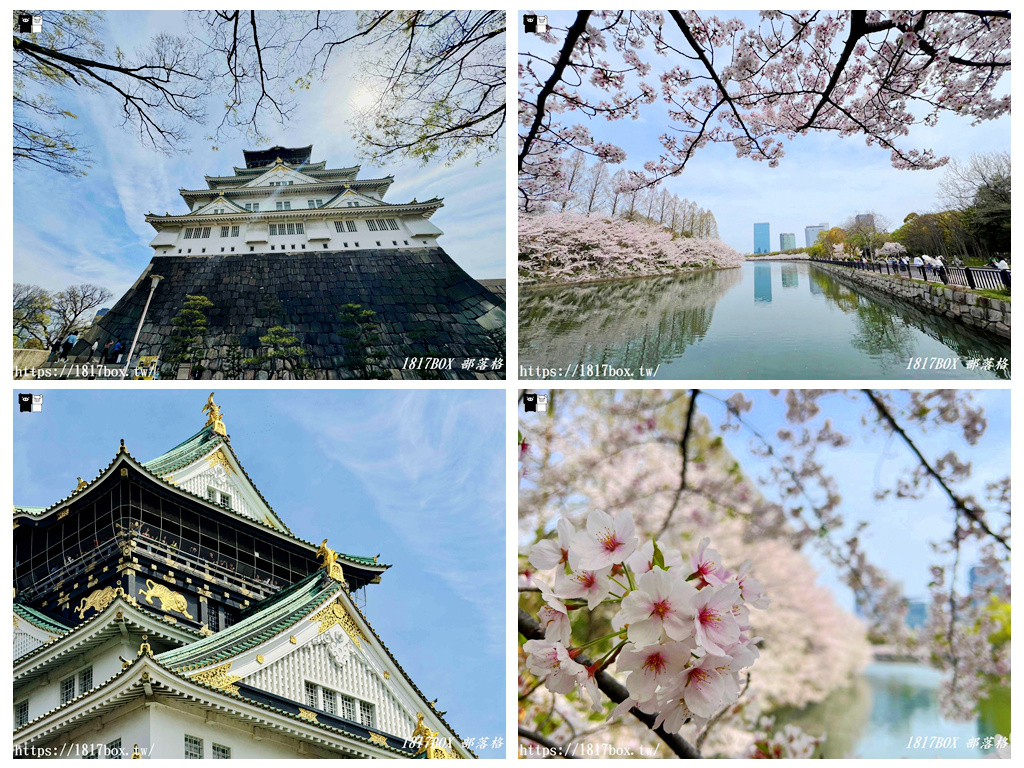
[
  {"x": 287, "y": 242},
  {"x": 165, "y": 605}
]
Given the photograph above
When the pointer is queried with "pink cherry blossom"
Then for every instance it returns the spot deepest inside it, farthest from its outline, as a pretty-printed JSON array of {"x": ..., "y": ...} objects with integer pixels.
[
  {"x": 707, "y": 564},
  {"x": 592, "y": 586},
  {"x": 551, "y": 661},
  {"x": 606, "y": 541},
  {"x": 662, "y": 604},
  {"x": 653, "y": 665},
  {"x": 716, "y": 627},
  {"x": 552, "y": 553}
]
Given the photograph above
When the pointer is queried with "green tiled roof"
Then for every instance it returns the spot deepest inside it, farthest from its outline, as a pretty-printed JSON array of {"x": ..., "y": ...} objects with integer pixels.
[
  {"x": 30, "y": 510},
  {"x": 33, "y": 616},
  {"x": 269, "y": 618},
  {"x": 183, "y": 454}
]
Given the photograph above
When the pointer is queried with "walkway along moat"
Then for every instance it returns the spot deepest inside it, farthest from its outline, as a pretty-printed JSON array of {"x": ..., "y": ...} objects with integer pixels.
[{"x": 770, "y": 320}]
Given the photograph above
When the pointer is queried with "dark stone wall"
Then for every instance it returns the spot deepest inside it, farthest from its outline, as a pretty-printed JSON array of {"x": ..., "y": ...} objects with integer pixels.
[{"x": 425, "y": 304}]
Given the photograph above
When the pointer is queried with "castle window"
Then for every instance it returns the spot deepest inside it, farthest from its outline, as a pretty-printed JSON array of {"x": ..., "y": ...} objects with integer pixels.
[
  {"x": 357, "y": 245},
  {"x": 220, "y": 752},
  {"x": 67, "y": 690},
  {"x": 346, "y": 245},
  {"x": 224, "y": 231},
  {"x": 311, "y": 203},
  {"x": 366, "y": 714},
  {"x": 372, "y": 225},
  {"x": 222, "y": 250},
  {"x": 248, "y": 206},
  {"x": 213, "y": 619},
  {"x": 392, "y": 223},
  {"x": 350, "y": 225},
  {"x": 330, "y": 702},
  {"x": 94, "y": 754},
  {"x": 193, "y": 748},
  {"x": 232, "y": 250},
  {"x": 206, "y": 231},
  {"x": 291, "y": 229},
  {"x": 312, "y": 696},
  {"x": 300, "y": 228},
  {"x": 406, "y": 242},
  {"x": 348, "y": 708},
  {"x": 21, "y": 713},
  {"x": 85, "y": 680},
  {"x": 273, "y": 229},
  {"x": 284, "y": 206},
  {"x": 256, "y": 207},
  {"x": 114, "y": 749},
  {"x": 339, "y": 226},
  {"x": 393, "y": 242},
  {"x": 219, "y": 497},
  {"x": 234, "y": 232},
  {"x": 378, "y": 243}
]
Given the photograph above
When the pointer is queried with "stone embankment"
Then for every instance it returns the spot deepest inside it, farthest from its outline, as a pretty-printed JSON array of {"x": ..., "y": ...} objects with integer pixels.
[{"x": 987, "y": 315}]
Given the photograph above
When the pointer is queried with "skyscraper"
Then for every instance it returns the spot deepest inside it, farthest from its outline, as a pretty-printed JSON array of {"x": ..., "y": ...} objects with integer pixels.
[
  {"x": 811, "y": 233},
  {"x": 787, "y": 241},
  {"x": 762, "y": 238}
]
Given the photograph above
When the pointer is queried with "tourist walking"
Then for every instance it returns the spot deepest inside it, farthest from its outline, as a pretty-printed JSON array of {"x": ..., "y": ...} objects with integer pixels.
[{"x": 94, "y": 349}]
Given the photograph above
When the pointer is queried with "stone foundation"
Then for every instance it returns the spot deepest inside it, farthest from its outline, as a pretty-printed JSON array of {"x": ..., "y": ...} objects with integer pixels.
[
  {"x": 425, "y": 305},
  {"x": 981, "y": 313}
]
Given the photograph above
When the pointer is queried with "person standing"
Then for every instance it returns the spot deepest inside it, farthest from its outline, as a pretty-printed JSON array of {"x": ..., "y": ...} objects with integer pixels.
[{"x": 94, "y": 349}]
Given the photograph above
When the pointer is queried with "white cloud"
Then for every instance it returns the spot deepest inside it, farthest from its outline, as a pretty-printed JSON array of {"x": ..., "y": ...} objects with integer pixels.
[{"x": 434, "y": 469}]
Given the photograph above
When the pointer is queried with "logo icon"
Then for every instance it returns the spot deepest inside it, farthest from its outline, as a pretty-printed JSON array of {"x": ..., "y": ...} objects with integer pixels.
[
  {"x": 29, "y": 24},
  {"x": 538, "y": 25},
  {"x": 532, "y": 402}
]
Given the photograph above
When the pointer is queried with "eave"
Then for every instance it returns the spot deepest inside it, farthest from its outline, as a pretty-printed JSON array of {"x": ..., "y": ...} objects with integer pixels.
[
  {"x": 426, "y": 209},
  {"x": 145, "y": 678},
  {"x": 110, "y": 622},
  {"x": 242, "y": 191},
  {"x": 124, "y": 457}
]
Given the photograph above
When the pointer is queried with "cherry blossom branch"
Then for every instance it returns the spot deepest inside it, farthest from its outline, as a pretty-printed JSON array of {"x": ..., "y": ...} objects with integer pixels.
[
  {"x": 572, "y": 35},
  {"x": 683, "y": 442},
  {"x": 530, "y": 628},
  {"x": 718, "y": 716},
  {"x": 958, "y": 503}
]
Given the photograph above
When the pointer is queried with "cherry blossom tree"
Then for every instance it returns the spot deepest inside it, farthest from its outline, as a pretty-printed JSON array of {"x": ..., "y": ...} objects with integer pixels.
[
  {"x": 872, "y": 74},
  {"x": 569, "y": 247},
  {"x": 659, "y": 457}
]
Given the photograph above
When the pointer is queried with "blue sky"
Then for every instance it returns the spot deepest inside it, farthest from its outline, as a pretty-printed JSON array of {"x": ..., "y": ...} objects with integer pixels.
[
  {"x": 822, "y": 178},
  {"x": 93, "y": 229},
  {"x": 899, "y": 529},
  {"x": 415, "y": 475}
]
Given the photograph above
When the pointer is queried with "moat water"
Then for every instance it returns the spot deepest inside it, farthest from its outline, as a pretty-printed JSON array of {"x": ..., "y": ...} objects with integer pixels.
[
  {"x": 888, "y": 706},
  {"x": 768, "y": 320}
]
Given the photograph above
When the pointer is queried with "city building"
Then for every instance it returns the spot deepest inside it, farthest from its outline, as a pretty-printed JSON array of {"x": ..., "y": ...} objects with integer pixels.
[
  {"x": 288, "y": 242},
  {"x": 762, "y": 238},
  {"x": 866, "y": 220},
  {"x": 164, "y": 609},
  {"x": 787, "y": 241},
  {"x": 811, "y": 233}
]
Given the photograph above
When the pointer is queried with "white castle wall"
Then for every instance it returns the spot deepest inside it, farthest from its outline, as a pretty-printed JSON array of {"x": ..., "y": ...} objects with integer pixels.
[{"x": 354, "y": 677}]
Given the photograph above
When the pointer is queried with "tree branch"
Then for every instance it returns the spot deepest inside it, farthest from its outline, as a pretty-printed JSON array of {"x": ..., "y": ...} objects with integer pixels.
[
  {"x": 959, "y": 504},
  {"x": 572, "y": 35}
]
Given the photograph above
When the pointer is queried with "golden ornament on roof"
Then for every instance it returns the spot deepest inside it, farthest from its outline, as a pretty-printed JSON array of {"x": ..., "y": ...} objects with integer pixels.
[
  {"x": 215, "y": 419},
  {"x": 330, "y": 558}
]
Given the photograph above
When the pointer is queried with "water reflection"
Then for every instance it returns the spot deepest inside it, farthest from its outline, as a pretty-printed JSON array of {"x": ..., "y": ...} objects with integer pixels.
[
  {"x": 763, "y": 282},
  {"x": 623, "y": 322},
  {"x": 698, "y": 326},
  {"x": 790, "y": 276}
]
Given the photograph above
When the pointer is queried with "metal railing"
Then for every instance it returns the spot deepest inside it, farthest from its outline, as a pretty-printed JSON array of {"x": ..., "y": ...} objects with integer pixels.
[{"x": 967, "y": 277}]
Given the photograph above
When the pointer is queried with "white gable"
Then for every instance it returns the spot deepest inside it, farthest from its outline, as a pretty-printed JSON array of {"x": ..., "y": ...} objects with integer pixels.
[
  {"x": 333, "y": 662},
  {"x": 28, "y": 637},
  {"x": 348, "y": 197},
  {"x": 220, "y": 205},
  {"x": 281, "y": 173},
  {"x": 218, "y": 471}
]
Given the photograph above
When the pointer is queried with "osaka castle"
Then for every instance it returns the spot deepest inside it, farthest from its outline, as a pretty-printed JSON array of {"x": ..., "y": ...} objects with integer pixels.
[
  {"x": 165, "y": 610},
  {"x": 284, "y": 242}
]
